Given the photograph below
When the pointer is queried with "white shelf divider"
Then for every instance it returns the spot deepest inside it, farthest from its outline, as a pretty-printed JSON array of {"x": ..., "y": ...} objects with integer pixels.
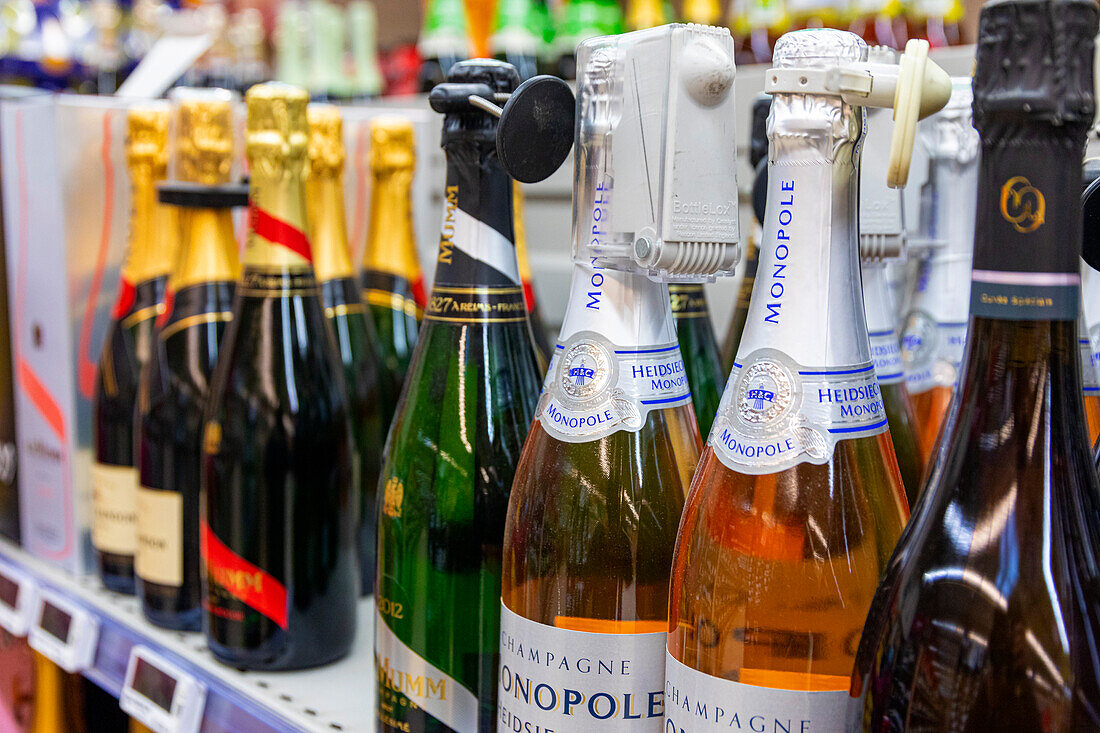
[{"x": 338, "y": 697}]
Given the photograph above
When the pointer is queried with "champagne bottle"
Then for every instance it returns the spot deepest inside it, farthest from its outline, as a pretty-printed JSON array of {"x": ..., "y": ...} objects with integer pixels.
[
  {"x": 355, "y": 338},
  {"x": 934, "y": 332},
  {"x": 886, "y": 352},
  {"x": 278, "y": 515},
  {"x": 363, "y": 39},
  {"x": 1089, "y": 321},
  {"x": 537, "y": 327},
  {"x": 393, "y": 286},
  {"x": 174, "y": 384},
  {"x": 986, "y": 618},
  {"x": 129, "y": 340},
  {"x": 604, "y": 473},
  {"x": 451, "y": 455},
  {"x": 881, "y": 238},
  {"x": 699, "y": 349},
  {"x": 758, "y": 154},
  {"x": 797, "y": 502},
  {"x": 443, "y": 40},
  {"x": 516, "y": 36},
  {"x": 615, "y": 487},
  {"x": 642, "y": 14}
]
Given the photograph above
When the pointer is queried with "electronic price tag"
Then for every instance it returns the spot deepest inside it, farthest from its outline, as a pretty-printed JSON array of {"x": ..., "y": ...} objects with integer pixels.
[
  {"x": 64, "y": 632},
  {"x": 18, "y": 600},
  {"x": 160, "y": 695}
]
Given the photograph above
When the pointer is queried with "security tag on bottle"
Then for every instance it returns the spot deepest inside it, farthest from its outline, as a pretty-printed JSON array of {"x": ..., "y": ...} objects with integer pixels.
[
  {"x": 64, "y": 632},
  {"x": 160, "y": 695},
  {"x": 18, "y": 600},
  {"x": 535, "y": 133}
]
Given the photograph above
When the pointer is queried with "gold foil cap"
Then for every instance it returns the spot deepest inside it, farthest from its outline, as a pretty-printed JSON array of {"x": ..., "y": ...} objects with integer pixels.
[
  {"x": 326, "y": 140},
  {"x": 277, "y": 134},
  {"x": 147, "y": 139},
  {"x": 203, "y": 135},
  {"x": 392, "y": 144}
]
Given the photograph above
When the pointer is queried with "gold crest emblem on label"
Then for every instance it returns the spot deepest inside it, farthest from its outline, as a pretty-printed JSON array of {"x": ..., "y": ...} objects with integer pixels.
[
  {"x": 212, "y": 438},
  {"x": 392, "y": 498},
  {"x": 1022, "y": 205}
]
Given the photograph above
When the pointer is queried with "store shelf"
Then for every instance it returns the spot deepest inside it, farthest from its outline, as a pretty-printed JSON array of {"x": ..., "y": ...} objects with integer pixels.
[{"x": 339, "y": 697}]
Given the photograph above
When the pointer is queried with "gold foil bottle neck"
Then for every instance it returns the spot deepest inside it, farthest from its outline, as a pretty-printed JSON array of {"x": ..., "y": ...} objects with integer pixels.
[
  {"x": 277, "y": 131},
  {"x": 326, "y": 141},
  {"x": 392, "y": 144},
  {"x": 147, "y": 142},
  {"x": 203, "y": 136}
]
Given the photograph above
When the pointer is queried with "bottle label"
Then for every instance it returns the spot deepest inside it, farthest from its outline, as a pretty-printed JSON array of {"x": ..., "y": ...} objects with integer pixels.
[
  {"x": 383, "y": 290},
  {"x": 776, "y": 413},
  {"x": 932, "y": 352},
  {"x": 476, "y": 305},
  {"x": 556, "y": 680},
  {"x": 595, "y": 388},
  {"x": 241, "y": 581},
  {"x": 114, "y": 497},
  {"x": 688, "y": 301},
  {"x": 699, "y": 703},
  {"x": 402, "y": 670},
  {"x": 159, "y": 557},
  {"x": 277, "y": 283},
  {"x": 886, "y": 353},
  {"x": 1090, "y": 377},
  {"x": 1024, "y": 266}
]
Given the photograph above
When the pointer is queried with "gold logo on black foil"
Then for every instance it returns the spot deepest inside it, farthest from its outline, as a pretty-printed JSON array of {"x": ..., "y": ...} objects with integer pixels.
[
  {"x": 392, "y": 498},
  {"x": 1022, "y": 205}
]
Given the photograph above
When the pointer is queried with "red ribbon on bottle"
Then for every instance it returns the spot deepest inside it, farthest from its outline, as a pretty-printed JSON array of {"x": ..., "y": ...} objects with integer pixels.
[
  {"x": 241, "y": 579},
  {"x": 127, "y": 294},
  {"x": 280, "y": 232}
]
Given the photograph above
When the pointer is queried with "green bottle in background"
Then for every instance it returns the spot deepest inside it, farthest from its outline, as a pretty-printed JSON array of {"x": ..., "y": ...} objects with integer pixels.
[
  {"x": 699, "y": 349},
  {"x": 447, "y": 473}
]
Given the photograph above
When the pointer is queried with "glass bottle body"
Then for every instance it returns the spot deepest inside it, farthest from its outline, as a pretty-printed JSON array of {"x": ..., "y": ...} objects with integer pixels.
[
  {"x": 125, "y": 352},
  {"x": 174, "y": 390},
  {"x": 277, "y": 497},
  {"x": 699, "y": 349}
]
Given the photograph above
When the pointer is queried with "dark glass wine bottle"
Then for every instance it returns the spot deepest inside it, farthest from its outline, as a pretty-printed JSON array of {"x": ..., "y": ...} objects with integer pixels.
[
  {"x": 129, "y": 341},
  {"x": 354, "y": 331},
  {"x": 699, "y": 349},
  {"x": 986, "y": 619},
  {"x": 393, "y": 286},
  {"x": 797, "y": 502},
  {"x": 453, "y": 447},
  {"x": 174, "y": 384},
  {"x": 280, "y": 576}
]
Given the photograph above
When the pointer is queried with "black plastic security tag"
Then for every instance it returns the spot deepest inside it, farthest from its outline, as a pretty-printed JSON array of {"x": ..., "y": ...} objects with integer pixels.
[{"x": 535, "y": 132}]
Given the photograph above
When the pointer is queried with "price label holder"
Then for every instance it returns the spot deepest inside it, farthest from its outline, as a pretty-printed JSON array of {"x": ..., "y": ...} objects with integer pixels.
[
  {"x": 18, "y": 600},
  {"x": 160, "y": 695},
  {"x": 64, "y": 631}
]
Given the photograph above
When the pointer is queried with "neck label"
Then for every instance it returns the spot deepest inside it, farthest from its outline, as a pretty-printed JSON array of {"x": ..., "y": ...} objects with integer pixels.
[
  {"x": 595, "y": 388},
  {"x": 1028, "y": 243},
  {"x": 777, "y": 413}
]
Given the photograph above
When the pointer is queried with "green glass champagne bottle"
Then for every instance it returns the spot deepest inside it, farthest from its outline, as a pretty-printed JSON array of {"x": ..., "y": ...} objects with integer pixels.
[
  {"x": 537, "y": 326},
  {"x": 129, "y": 341},
  {"x": 280, "y": 577},
  {"x": 986, "y": 619},
  {"x": 699, "y": 349},
  {"x": 453, "y": 447},
  {"x": 175, "y": 383},
  {"x": 356, "y": 341},
  {"x": 881, "y": 239},
  {"x": 393, "y": 286},
  {"x": 443, "y": 41}
]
